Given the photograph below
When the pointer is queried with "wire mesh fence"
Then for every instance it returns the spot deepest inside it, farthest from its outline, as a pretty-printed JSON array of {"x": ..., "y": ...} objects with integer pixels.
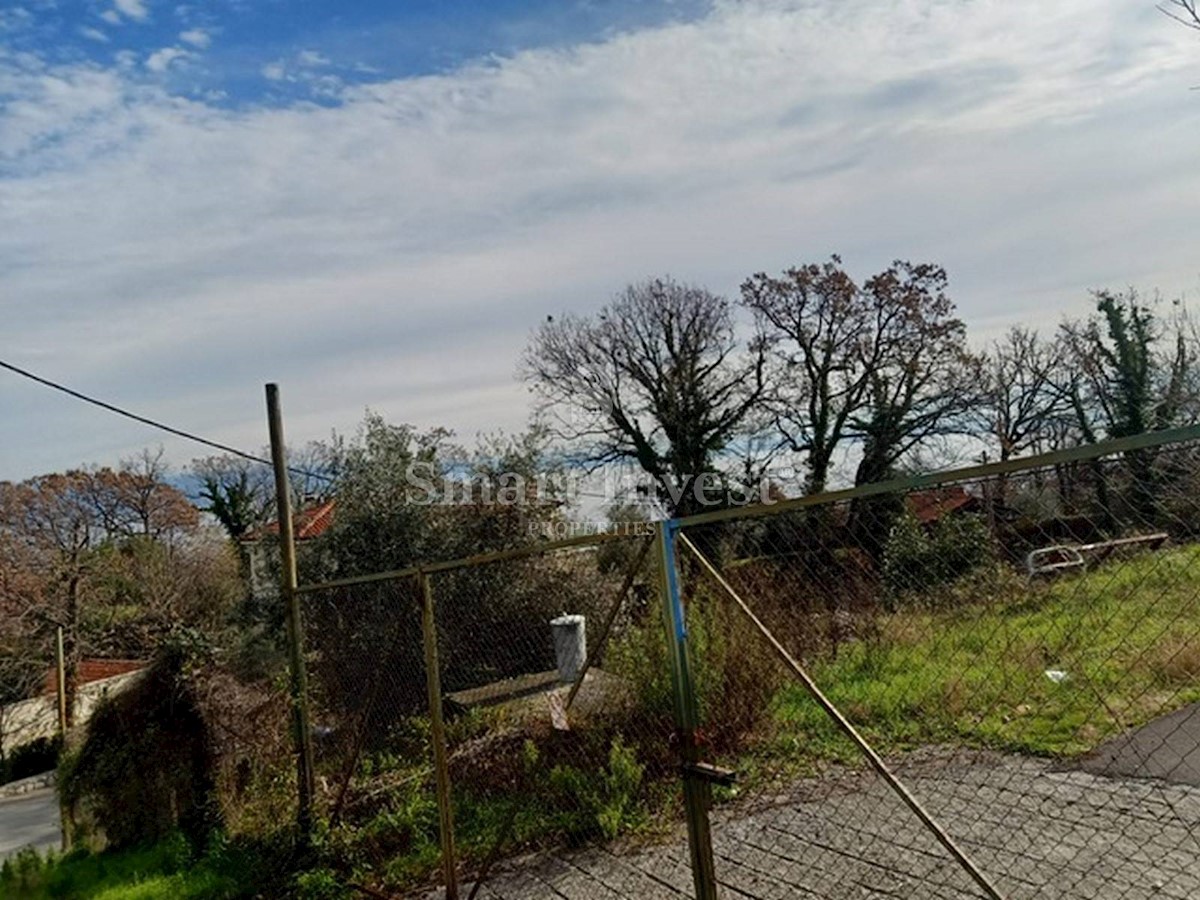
[
  {"x": 1021, "y": 651},
  {"x": 554, "y": 697},
  {"x": 559, "y": 733},
  {"x": 975, "y": 684}
]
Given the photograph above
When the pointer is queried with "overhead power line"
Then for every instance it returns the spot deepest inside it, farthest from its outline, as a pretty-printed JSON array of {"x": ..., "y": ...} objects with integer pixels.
[
  {"x": 195, "y": 438},
  {"x": 170, "y": 429}
]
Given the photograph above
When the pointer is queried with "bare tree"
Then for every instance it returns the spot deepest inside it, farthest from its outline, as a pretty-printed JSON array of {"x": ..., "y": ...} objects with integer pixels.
[
  {"x": 53, "y": 519},
  {"x": 884, "y": 364},
  {"x": 922, "y": 381},
  {"x": 1022, "y": 393},
  {"x": 1186, "y": 12},
  {"x": 921, "y": 378},
  {"x": 658, "y": 377},
  {"x": 815, "y": 322},
  {"x": 137, "y": 500}
]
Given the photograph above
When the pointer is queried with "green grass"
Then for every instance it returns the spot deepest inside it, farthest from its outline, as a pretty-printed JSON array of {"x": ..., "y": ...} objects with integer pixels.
[
  {"x": 168, "y": 870},
  {"x": 165, "y": 870},
  {"x": 962, "y": 664},
  {"x": 1127, "y": 635}
]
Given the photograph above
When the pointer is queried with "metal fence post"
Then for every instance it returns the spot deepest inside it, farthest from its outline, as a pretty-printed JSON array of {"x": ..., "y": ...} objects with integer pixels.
[
  {"x": 60, "y": 683},
  {"x": 441, "y": 768},
  {"x": 295, "y": 627},
  {"x": 65, "y": 813},
  {"x": 697, "y": 792}
]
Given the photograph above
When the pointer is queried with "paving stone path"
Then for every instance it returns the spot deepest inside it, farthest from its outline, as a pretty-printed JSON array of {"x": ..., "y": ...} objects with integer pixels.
[{"x": 1036, "y": 829}]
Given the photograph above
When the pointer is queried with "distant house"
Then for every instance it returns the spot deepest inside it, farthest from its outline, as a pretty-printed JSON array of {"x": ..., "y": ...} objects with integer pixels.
[
  {"x": 90, "y": 671},
  {"x": 29, "y": 720},
  {"x": 262, "y": 546},
  {"x": 932, "y": 505}
]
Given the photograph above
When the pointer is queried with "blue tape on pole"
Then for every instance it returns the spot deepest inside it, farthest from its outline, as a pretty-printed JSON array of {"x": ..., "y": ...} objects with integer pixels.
[{"x": 669, "y": 528}]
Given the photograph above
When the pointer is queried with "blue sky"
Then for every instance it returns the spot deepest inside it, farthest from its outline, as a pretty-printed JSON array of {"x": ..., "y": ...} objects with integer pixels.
[
  {"x": 373, "y": 203},
  {"x": 246, "y": 52}
]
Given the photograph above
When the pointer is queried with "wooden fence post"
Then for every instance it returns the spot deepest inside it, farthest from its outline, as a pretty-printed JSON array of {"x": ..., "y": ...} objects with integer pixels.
[
  {"x": 433, "y": 680},
  {"x": 295, "y": 626}
]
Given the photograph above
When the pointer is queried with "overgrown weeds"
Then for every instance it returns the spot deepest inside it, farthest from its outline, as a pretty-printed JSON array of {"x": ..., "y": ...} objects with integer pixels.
[{"x": 1049, "y": 669}]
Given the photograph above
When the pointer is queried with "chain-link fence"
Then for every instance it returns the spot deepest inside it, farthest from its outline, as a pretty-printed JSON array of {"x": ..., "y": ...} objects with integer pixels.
[
  {"x": 983, "y": 683},
  {"x": 959, "y": 686},
  {"x": 479, "y": 710}
]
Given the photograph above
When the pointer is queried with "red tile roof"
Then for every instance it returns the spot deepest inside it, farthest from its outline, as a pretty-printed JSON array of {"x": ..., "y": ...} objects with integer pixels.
[
  {"x": 90, "y": 670},
  {"x": 311, "y": 522},
  {"x": 929, "y": 506}
]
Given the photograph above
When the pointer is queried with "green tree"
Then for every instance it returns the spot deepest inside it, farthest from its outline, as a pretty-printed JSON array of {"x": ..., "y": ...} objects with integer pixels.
[
  {"x": 1129, "y": 373},
  {"x": 406, "y": 497}
]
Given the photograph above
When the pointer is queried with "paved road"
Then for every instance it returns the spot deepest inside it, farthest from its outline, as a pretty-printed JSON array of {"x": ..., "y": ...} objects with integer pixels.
[
  {"x": 1036, "y": 829},
  {"x": 1167, "y": 748},
  {"x": 29, "y": 820}
]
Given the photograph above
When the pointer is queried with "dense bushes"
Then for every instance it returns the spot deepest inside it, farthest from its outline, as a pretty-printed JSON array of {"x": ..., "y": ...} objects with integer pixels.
[
  {"x": 186, "y": 746},
  {"x": 30, "y": 759},
  {"x": 146, "y": 765},
  {"x": 916, "y": 559}
]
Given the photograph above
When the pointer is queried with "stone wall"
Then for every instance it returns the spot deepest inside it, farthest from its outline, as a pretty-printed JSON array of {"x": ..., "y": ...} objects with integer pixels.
[{"x": 27, "y": 721}]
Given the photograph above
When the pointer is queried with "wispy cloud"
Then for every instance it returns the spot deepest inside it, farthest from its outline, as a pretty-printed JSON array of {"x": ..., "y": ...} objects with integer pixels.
[
  {"x": 161, "y": 60},
  {"x": 133, "y": 9},
  {"x": 393, "y": 248},
  {"x": 312, "y": 58},
  {"x": 197, "y": 37}
]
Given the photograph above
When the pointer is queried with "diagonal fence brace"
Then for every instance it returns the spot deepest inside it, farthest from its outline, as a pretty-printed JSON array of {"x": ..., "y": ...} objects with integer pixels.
[{"x": 847, "y": 728}]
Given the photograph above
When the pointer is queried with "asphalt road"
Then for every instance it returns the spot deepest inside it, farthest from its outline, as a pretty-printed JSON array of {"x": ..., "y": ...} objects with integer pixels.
[
  {"x": 30, "y": 820},
  {"x": 1167, "y": 748}
]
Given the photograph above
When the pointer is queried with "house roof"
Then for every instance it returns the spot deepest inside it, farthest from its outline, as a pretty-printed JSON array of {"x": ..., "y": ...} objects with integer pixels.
[
  {"x": 310, "y": 522},
  {"x": 89, "y": 670},
  {"x": 929, "y": 506}
]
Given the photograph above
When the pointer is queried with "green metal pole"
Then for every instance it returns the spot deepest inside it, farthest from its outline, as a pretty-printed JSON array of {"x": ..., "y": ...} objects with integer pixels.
[
  {"x": 441, "y": 767},
  {"x": 295, "y": 627},
  {"x": 697, "y": 792}
]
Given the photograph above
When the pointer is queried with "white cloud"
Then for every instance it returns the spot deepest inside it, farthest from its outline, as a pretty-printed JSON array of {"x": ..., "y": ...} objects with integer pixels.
[
  {"x": 94, "y": 34},
  {"x": 197, "y": 37},
  {"x": 274, "y": 71},
  {"x": 394, "y": 250},
  {"x": 111, "y": 16},
  {"x": 133, "y": 9},
  {"x": 311, "y": 58},
  {"x": 162, "y": 60}
]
